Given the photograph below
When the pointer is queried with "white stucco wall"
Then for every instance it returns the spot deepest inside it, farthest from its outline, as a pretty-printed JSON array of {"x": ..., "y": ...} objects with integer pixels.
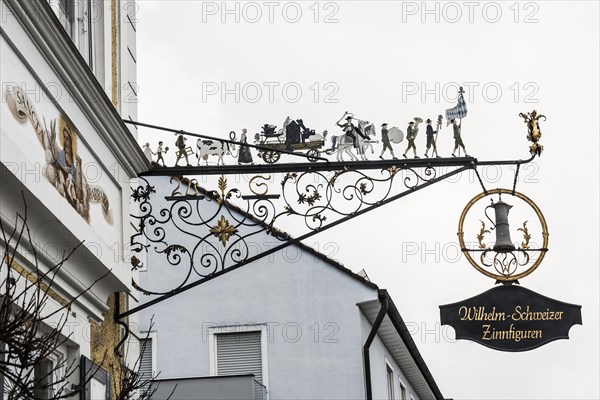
[
  {"x": 56, "y": 90},
  {"x": 314, "y": 341},
  {"x": 102, "y": 141}
]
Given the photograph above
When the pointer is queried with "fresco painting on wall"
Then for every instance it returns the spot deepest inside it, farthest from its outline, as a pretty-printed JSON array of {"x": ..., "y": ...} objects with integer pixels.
[{"x": 63, "y": 166}]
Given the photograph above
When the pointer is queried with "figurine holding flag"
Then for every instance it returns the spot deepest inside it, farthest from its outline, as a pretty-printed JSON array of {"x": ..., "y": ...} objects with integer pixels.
[{"x": 454, "y": 113}]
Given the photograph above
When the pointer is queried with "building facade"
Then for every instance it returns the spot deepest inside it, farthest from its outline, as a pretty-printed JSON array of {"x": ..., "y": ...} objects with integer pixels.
[
  {"x": 293, "y": 325},
  {"x": 67, "y": 160}
]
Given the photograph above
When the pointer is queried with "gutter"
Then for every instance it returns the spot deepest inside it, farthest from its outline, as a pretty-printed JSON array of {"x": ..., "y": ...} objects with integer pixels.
[
  {"x": 384, "y": 300},
  {"x": 388, "y": 308}
]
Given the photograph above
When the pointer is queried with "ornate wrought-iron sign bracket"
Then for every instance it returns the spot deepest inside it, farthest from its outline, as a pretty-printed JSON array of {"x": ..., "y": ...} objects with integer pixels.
[
  {"x": 320, "y": 201},
  {"x": 321, "y": 194},
  {"x": 207, "y": 233},
  {"x": 218, "y": 243}
]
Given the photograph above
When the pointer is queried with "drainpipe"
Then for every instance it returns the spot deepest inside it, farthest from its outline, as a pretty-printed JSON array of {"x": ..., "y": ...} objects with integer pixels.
[{"x": 383, "y": 299}]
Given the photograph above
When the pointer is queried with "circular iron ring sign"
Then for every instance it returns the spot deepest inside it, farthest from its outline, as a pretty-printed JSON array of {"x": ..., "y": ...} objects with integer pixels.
[{"x": 467, "y": 252}]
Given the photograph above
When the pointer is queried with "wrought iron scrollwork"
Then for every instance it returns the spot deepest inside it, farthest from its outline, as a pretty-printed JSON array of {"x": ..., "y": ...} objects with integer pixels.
[
  {"x": 318, "y": 198},
  {"x": 505, "y": 264},
  {"x": 206, "y": 240}
]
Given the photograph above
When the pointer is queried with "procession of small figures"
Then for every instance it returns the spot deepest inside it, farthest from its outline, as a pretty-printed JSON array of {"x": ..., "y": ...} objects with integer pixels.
[{"x": 358, "y": 138}]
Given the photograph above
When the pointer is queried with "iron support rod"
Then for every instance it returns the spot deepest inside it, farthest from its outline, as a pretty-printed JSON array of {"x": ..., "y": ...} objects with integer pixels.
[
  {"x": 506, "y": 162},
  {"x": 162, "y": 128},
  {"x": 516, "y": 178},
  {"x": 310, "y": 167}
]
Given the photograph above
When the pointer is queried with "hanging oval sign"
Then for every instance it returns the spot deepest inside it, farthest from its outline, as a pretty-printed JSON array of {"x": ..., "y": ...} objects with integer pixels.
[{"x": 511, "y": 318}]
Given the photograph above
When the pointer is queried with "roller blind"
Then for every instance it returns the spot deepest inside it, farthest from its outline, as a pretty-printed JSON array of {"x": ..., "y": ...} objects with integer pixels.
[
  {"x": 146, "y": 359},
  {"x": 239, "y": 353}
]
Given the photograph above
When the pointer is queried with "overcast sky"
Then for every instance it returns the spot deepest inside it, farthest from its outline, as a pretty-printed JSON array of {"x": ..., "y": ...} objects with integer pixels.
[{"x": 206, "y": 70}]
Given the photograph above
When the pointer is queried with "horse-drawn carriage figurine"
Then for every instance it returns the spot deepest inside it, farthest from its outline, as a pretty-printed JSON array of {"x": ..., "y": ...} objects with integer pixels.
[{"x": 292, "y": 137}]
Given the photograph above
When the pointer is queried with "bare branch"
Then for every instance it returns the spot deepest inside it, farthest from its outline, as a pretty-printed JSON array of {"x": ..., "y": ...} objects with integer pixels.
[{"x": 28, "y": 341}]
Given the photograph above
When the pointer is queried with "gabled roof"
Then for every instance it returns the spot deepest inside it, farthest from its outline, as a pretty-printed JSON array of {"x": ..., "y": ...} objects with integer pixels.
[
  {"x": 285, "y": 236},
  {"x": 392, "y": 332}
]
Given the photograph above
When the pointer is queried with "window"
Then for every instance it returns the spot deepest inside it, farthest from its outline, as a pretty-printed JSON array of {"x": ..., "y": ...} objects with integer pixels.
[
  {"x": 389, "y": 372},
  {"x": 43, "y": 379},
  {"x": 81, "y": 19},
  {"x": 65, "y": 12},
  {"x": 95, "y": 381},
  {"x": 402, "y": 390},
  {"x": 147, "y": 354},
  {"x": 239, "y": 353},
  {"x": 239, "y": 349},
  {"x": 48, "y": 374}
]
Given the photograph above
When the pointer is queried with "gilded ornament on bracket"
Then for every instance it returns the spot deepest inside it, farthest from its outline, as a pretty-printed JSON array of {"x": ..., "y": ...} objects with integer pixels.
[
  {"x": 534, "y": 132},
  {"x": 223, "y": 230}
]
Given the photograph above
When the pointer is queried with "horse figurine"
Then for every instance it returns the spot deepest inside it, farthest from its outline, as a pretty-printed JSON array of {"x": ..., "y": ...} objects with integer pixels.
[{"x": 344, "y": 144}]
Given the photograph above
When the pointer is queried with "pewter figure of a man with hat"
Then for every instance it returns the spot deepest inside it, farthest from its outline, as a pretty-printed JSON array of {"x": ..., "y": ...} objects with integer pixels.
[
  {"x": 411, "y": 136},
  {"x": 386, "y": 141},
  {"x": 431, "y": 139}
]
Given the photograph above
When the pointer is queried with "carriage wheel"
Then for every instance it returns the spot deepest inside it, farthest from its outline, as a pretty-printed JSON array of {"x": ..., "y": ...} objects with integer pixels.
[
  {"x": 312, "y": 155},
  {"x": 271, "y": 156}
]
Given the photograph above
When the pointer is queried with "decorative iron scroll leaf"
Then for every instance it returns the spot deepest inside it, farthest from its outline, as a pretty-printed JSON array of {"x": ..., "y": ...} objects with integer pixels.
[
  {"x": 481, "y": 235},
  {"x": 526, "y": 235},
  {"x": 203, "y": 232}
]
